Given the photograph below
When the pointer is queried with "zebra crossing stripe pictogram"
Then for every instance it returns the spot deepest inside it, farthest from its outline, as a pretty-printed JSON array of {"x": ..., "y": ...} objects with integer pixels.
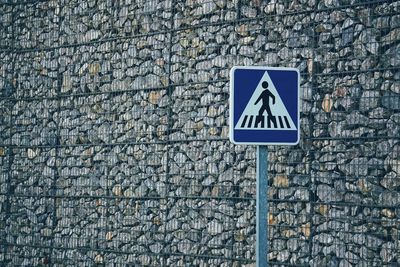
[{"x": 251, "y": 122}]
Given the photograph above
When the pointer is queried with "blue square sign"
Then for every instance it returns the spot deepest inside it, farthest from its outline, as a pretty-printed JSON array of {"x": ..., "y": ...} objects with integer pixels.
[{"x": 264, "y": 106}]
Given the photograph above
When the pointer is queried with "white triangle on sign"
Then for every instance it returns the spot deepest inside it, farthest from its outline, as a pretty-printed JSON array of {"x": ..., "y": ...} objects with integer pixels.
[{"x": 251, "y": 119}]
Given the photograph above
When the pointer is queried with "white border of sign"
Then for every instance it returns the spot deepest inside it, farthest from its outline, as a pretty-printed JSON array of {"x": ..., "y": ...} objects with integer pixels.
[{"x": 231, "y": 124}]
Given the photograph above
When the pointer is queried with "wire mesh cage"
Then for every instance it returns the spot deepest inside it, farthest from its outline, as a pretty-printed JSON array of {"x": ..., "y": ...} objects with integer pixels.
[{"x": 114, "y": 144}]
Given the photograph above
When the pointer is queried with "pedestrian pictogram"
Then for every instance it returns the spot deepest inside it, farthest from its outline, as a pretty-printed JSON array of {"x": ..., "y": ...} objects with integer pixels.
[
  {"x": 265, "y": 95},
  {"x": 264, "y": 105}
]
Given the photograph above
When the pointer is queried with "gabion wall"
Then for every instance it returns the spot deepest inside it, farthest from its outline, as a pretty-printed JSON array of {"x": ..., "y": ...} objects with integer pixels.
[{"x": 114, "y": 142}]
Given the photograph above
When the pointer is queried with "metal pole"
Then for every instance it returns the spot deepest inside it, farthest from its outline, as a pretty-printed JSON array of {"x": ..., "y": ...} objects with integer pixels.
[{"x": 262, "y": 207}]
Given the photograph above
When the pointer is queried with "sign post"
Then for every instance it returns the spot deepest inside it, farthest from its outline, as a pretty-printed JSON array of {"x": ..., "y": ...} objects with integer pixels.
[
  {"x": 264, "y": 110},
  {"x": 262, "y": 207}
]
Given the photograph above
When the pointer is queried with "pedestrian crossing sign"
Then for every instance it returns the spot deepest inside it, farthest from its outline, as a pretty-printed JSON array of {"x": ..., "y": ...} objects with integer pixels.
[{"x": 264, "y": 106}]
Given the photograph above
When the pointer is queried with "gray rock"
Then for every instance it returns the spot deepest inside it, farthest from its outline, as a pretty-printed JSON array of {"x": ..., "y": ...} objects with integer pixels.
[
  {"x": 248, "y": 12},
  {"x": 391, "y": 100},
  {"x": 347, "y": 36},
  {"x": 104, "y": 132},
  {"x": 283, "y": 255},
  {"x": 148, "y": 81},
  {"x": 355, "y": 118},
  {"x": 184, "y": 246},
  {"x": 357, "y": 167},
  {"x": 387, "y": 252},
  {"x": 228, "y": 175},
  {"x": 368, "y": 38},
  {"x": 214, "y": 227},
  {"x": 156, "y": 248},
  {"x": 144, "y": 259},
  {"x": 394, "y": 21},
  {"x": 391, "y": 37},
  {"x": 391, "y": 58},
  {"x": 389, "y": 198},
  {"x": 344, "y": 263},
  {"x": 395, "y": 87},
  {"x": 391, "y": 181},
  {"x": 328, "y": 194},
  {"x": 91, "y": 35},
  {"x": 324, "y": 238},
  {"x": 373, "y": 242},
  {"x": 369, "y": 99}
]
